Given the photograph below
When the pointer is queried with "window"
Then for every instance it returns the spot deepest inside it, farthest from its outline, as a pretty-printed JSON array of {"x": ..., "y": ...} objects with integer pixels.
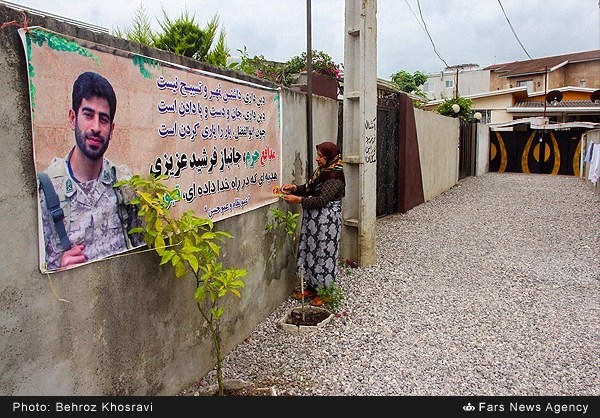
[
  {"x": 449, "y": 84},
  {"x": 526, "y": 83},
  {"x": 582, "y": 83},
  {"x": 429, "y": 87},
  {"x": 486, "y": 116}
]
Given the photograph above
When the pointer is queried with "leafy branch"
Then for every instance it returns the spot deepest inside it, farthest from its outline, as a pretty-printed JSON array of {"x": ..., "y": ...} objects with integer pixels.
[{"x": 190, "y": 244}]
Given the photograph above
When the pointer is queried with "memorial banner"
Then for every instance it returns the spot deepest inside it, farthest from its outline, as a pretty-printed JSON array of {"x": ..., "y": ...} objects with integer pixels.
[{"x": 217, "y": 139}]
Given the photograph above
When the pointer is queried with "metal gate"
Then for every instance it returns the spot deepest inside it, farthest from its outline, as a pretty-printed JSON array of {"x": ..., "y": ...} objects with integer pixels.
[
  {"x": 387, "y": 156},
  {"x": 467, "y": 149},
  {"x": 399, "y": 183},
  {"x": 536, "y": 152}
]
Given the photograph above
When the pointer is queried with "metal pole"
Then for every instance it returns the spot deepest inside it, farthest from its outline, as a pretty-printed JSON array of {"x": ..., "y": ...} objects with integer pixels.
[
  {"x": 456, "y": 86},
  {"x": 541, "y": 154},
  {"x": 309, "y": 70},
  {"x": 545, "y": 91}
]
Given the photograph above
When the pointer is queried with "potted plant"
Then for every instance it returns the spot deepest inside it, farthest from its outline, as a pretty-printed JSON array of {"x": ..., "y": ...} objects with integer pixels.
[
  {"x": 190, "y": 244},
  {"x": 326, "y": 73},
  {"x": 259, "y": 66},
  {"x": 322, "y": 63}
]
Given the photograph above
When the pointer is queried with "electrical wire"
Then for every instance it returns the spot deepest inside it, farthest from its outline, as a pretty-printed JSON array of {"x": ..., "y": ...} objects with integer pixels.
[
  {"x": 424, "y": 27},
  {"x": 513, "y": 30},
  {"x": 418, "y": 21}
]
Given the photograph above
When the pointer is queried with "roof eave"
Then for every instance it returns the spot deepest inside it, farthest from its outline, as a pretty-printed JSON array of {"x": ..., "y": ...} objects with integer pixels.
[{"x": 552, "y": 109}]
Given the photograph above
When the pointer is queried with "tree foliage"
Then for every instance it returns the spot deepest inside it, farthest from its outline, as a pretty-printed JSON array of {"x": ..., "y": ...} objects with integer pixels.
[
  {"x": 141, "y": 31},
  {"x": 182, "y": 35},
  {"x": 219, "y": 53},
  {"x": 409, "y": 83}
]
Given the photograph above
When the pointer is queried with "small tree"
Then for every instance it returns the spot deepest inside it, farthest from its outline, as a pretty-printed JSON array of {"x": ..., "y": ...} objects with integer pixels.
[
  {"x": 182, "y": 36},
  {"x": 410, "y": 83},
  {"x": 288, "y": 222},
  {"x": 190, "y": 245}
]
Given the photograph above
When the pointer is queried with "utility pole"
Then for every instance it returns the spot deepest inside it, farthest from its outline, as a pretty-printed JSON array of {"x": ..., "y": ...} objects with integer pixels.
[
  {"x": 456, "y": 85},
  {"x": 360, "y": 132}
]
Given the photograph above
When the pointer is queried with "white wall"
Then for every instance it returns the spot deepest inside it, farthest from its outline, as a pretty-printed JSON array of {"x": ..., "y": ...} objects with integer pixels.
[{"x": 470, "y": 81}]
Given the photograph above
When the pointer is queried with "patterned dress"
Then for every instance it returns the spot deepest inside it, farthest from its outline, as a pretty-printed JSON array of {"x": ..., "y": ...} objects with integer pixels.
[
  {"x": 319, "y": 244},
  {"x": 320, "y": 232}
]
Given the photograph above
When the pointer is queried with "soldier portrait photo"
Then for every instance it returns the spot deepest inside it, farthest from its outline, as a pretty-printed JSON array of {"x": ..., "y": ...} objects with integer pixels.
[{"x": 83, "y": 217}]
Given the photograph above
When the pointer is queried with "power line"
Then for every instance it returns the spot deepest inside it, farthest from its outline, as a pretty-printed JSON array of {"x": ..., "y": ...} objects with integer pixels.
[
  {"x": 424, "y": 27},
  {"x": 418, "y": 21},
  {"x": 513, "y": 30}
]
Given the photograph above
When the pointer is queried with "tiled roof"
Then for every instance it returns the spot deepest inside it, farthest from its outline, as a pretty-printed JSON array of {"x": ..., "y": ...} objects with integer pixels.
[
  {"x": 543, "y": 123},
  {"x": 561, "y": 104},
  {"x": 539, "y": 65}
]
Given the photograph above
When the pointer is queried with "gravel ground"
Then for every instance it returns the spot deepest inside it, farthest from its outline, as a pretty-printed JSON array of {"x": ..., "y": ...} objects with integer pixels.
[{"x": 490, "y": 289}]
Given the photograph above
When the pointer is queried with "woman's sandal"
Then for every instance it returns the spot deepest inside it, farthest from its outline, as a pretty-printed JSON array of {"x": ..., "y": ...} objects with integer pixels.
[{"x": 308, "y": 294}]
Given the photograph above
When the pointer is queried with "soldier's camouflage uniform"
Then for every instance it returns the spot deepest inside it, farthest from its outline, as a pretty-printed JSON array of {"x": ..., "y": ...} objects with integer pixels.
[{"x": 92, "y": 214}]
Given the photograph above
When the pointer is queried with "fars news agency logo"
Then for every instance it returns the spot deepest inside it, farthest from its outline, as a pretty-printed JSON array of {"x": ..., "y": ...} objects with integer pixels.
[
  {"x": 468, "y": 407},
  {"x": 552, "y": 407}
]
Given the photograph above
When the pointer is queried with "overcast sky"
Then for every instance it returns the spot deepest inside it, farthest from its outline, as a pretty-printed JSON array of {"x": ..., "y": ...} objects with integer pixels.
[{"x": 409, "y": 32}]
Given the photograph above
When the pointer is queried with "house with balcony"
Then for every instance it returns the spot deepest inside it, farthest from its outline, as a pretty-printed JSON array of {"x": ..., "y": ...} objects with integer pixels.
[
  {"x": 540, "y": 110},
  {"x": 558, "y": 88}
]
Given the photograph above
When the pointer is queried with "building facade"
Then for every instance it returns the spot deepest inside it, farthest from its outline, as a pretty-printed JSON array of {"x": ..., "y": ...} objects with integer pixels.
[{"x": 558, "y": 88}]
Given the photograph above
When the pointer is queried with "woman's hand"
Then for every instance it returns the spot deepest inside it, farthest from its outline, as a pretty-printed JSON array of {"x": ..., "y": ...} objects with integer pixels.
[
  {"x": 291, "y": 199},
  {"x": 288, "y": 188}
]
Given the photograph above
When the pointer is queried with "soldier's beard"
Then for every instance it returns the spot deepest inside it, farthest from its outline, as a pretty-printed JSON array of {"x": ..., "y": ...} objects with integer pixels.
[{"x": 92, "y": 152}]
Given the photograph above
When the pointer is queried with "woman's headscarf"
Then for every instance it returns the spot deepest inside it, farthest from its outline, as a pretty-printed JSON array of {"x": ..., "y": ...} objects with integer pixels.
[{"x": 333, "y": 168}]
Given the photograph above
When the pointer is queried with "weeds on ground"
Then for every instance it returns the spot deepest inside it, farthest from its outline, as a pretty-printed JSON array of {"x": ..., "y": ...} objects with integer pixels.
[{"x": 332, "y": 296}]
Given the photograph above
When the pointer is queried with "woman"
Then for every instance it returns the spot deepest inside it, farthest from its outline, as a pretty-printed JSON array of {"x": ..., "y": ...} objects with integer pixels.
[{"x": 321, "y": 200}]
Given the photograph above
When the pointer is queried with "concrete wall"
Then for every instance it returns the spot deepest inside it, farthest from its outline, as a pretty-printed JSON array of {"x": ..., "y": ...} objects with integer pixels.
[
  {"x": 581, "y": 71},
  {"x": 438, "y": 151},
  {"x": 482, "y": 161},
  {"x": 123, "y": 326}
]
